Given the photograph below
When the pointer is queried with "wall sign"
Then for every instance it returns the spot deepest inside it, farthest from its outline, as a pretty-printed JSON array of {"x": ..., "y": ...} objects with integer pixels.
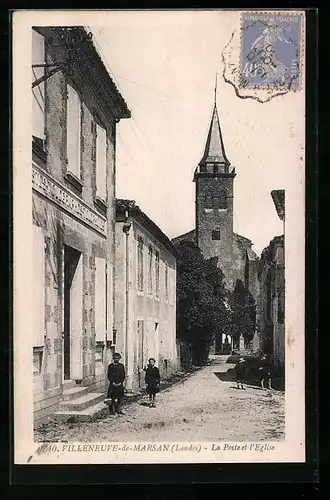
[{"x": 64, "y": 198}]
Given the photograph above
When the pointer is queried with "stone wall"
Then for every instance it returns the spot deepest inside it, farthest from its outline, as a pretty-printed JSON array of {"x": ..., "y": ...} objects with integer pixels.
[{"x": 221, "y": 220}]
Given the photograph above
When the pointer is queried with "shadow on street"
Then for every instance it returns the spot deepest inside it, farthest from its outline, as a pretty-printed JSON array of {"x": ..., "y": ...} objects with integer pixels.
[{"x": 229, "y": 376}]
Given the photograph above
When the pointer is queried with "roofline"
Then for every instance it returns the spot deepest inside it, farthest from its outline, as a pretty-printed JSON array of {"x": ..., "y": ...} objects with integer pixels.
[
  {"x": 184, "y": 234},
  {"x": 222, "y": 175},
  {"x": 276, "y": 194},
  {"x": 267, "y": 253},
  {"x": 134, "y": 211},
  {"x": 242, "y": 237},
  {"x": 107, "y": 87}
]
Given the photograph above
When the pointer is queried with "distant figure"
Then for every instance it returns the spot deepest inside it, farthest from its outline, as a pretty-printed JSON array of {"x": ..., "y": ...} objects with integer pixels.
[
  {"x": 152, "y": 379},
  {"x": 265, "y": 373},
  {"x": 116, "y": 377},
  {"x": 240, "y": 370}
]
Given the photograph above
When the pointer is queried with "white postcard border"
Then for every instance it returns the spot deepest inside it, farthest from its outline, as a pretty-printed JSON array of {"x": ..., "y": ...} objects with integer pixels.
[{"x": 25, "y": 450}]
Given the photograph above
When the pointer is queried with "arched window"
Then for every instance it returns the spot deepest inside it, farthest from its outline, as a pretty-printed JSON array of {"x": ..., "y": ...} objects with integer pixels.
[
  {"x": 208, "y": 198},
  {"x": 222, "y": 202}
]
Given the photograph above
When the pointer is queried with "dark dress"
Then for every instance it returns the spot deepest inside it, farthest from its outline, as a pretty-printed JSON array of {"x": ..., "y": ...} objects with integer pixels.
[
  {"x": 116, "y": 377},
  {"x": 240, "y": 371},
  {"x": 152, "y": 379},
  {"x": 265, "y": 370}
]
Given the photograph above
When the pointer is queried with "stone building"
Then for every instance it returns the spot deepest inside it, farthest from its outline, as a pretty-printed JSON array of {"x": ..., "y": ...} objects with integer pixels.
[
  {"x": 75, "y": 109},
  {"x": 214, "y": 214},
  {"x": 145, "y": 294},
  {"x": 271, "y": 276}
]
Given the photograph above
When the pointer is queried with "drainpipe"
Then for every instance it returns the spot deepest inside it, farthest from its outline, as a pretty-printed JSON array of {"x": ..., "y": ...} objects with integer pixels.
[{"x": 126, "y": 229}]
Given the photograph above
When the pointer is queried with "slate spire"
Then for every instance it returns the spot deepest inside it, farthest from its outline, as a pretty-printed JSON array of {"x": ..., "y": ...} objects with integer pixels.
[{"x": 214, "y": 149}]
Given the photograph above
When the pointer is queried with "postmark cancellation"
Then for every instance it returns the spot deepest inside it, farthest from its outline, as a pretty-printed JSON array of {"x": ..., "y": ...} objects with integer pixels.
[{"x": 263, "y": 59}]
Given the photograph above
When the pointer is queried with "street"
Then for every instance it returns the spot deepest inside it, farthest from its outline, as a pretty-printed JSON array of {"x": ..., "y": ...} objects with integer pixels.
[{"x": 206, "y": 406}]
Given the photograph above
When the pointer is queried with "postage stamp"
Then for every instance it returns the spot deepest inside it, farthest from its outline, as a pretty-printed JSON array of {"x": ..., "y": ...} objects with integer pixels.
[{"x": 270, "y": 47}]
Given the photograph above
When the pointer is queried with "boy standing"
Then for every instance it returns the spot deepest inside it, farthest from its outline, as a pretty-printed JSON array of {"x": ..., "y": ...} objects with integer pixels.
[{"x": 116, "y": 377}]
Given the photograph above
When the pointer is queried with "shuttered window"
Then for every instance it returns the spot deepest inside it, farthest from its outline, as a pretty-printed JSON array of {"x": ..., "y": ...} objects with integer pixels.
[
  {"x": 38, "y": 92},
  {"x": 38, "y": 286},
  {"x": 101, "y": 164},
  {"x": 73, "y": 131},
  {"x": 157, "y": 272},
  {"x": 166, "y": 281},
  {"x": 140, "y": 264},
  {"x": 100, "y": 300},
  {"x": 150, "y": 259}
]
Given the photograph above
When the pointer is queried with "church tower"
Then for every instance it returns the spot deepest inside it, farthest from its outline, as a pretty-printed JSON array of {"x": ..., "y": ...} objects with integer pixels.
[{"x": 214, "y": 178}]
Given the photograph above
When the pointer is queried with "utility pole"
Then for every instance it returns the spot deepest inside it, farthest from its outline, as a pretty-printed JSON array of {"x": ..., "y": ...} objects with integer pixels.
[
  {"x": 126, "y": 228},
  {"x": 69, "y": 38}
]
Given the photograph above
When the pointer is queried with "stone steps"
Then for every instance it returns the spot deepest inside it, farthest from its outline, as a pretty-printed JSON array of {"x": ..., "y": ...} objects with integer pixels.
[
  {"x": 68, "y": 384},
  {"x": 79, "y": 405},
  {"x": 74, "y": 392},
  {"x": 81, "y": 402},
  {"x": 87, "y": 415}
]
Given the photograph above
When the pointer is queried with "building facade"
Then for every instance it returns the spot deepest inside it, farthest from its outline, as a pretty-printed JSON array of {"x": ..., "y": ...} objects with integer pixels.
[
  {"x": 145, "y": 294},
  {"x": 75, "y": 109},
  {"x": 272, "y": 295}
]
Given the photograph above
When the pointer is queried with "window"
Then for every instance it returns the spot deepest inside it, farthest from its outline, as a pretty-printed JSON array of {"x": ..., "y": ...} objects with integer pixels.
[
  {"x": 37, "y": 360},
  {"x": 101, "y": 162},
  {"x": 208, "y": 198},
  {"x": 222, "y": 199},
  {"x": 216, "y": 234},
  {"x": 38, "y": 286},
  {"x": 73, "y": 131},
  {"x": 166, "y": 281},
  {"x": 280, "y": 313},
  {"x": 38, "y": 92},
  {"x": 100, "y": 299},
  {"x": 157, "y": 272},
  {"x": 150, "y": 253},
  {"x": 140, "y": 264}
]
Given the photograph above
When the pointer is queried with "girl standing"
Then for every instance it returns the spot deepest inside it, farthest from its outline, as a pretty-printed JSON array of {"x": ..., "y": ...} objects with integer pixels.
[{"x": 152, "y": 379}]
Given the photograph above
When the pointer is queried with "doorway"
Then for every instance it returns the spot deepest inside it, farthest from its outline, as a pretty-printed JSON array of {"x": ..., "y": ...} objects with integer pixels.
[{"x": 73, "y": 314}]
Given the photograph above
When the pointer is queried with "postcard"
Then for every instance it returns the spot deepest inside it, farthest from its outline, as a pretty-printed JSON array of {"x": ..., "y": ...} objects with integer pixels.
[{"x": 159, "y": 234}]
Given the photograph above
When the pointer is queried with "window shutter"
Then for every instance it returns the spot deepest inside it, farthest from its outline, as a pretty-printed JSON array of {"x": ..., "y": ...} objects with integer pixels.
[
  {"x": 38, "y": 286},
  {"x": 101, "y": 155},
  {"x": 100, "y": 300},
  {"x": 38, "y": 92},
  {"x": 73, "y": 131}
]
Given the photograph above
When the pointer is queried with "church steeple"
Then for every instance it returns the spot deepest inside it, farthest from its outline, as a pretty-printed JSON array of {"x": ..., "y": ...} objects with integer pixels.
[
  {"x": 214, "y": 159},
  {"x": 214, "y": 179},
  {"x": 214, "y": 149}
]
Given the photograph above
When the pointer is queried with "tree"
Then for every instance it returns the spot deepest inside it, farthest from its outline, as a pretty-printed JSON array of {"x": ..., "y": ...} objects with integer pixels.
[
  {"x": 243, "y": 313},
  {"x": 201, "y": 300}
]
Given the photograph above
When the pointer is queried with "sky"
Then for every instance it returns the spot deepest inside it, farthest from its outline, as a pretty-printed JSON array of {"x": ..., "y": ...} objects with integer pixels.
[{"x": 165, "y": 65}]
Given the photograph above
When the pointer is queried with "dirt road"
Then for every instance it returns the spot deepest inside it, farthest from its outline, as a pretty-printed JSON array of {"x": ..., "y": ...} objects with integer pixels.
[{"x": 206, "y": 406}]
